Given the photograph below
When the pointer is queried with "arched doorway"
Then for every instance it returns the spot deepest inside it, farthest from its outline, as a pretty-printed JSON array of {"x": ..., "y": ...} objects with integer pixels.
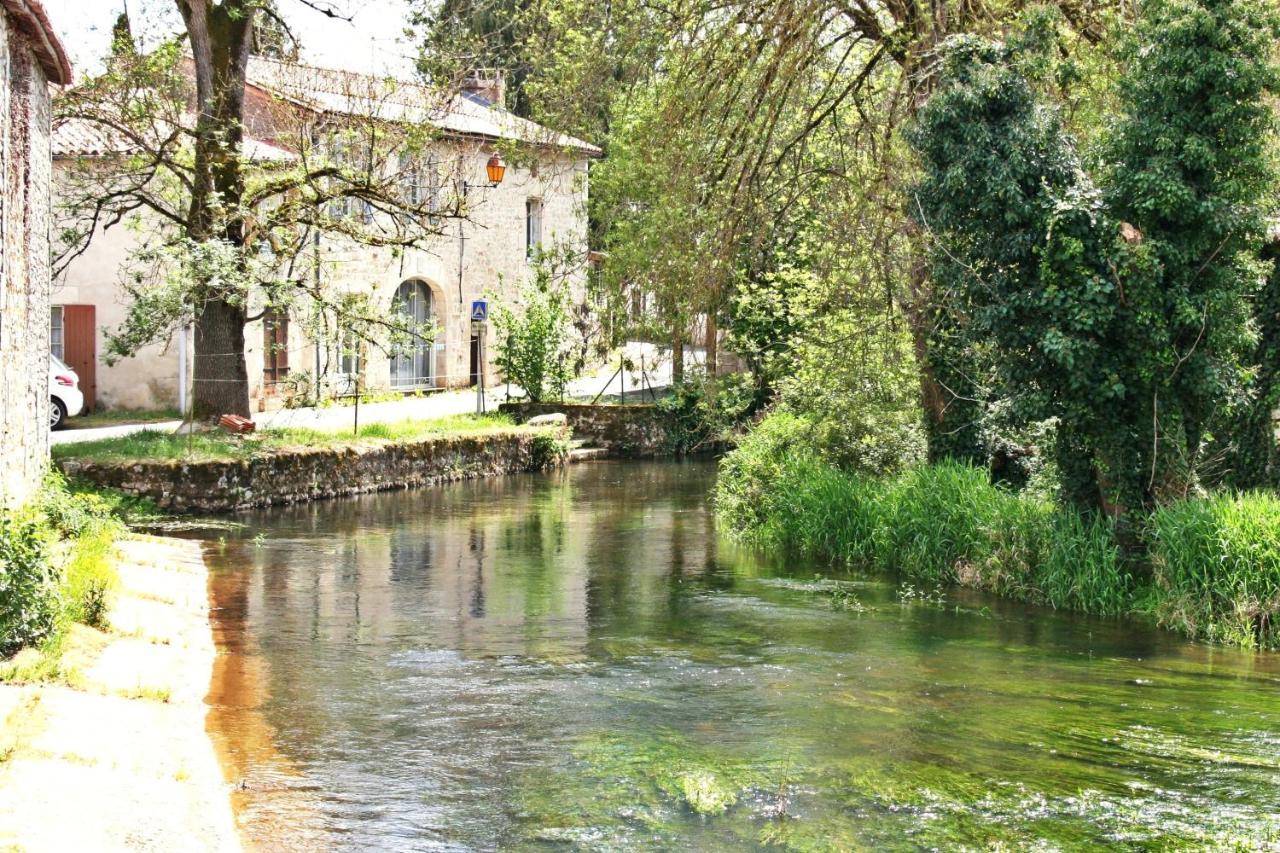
[{"x": 412, "y": 364}]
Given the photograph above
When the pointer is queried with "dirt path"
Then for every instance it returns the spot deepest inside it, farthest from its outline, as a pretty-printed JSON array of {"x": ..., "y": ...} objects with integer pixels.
[{"x": 120, "y": 760}]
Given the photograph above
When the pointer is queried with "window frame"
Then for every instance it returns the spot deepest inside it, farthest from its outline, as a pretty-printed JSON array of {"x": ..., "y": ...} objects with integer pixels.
[
  {"x": 58, "y": 349},
  {"x": 275, "y": 347},
  {"x": 533, "y": 210}
]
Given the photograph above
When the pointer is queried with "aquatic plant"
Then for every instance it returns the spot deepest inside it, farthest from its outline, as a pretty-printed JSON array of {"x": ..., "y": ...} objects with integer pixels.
[
  {"x": 1215, "y": 560},
  {"x": 1216, "y": 563}
]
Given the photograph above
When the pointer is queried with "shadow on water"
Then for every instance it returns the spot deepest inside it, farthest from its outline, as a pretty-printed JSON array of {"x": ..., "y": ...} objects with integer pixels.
[{"x": 577, "y": 660}]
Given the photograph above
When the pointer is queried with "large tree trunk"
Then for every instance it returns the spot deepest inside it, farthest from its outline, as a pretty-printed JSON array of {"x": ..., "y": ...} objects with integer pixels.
[
  {"x": 220, "y": 36},
  {"x": 677, "y": 354},
  {"x": 945, "y": 417},
  {"x": 711, "y": 343},
  {"x": 220, "y": 376}
]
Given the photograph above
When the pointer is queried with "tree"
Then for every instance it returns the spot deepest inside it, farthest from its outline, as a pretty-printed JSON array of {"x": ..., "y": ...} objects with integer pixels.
[
  {"x": 227, "y": 224},
  {"x": 762, "y": 108},
  {"x": 1117, "y": 309},
  {"x": 534, "y": 344}
]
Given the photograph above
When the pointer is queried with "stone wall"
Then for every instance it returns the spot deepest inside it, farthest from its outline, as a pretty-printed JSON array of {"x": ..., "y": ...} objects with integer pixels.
[
  {"x": 315, "y": 473},
  {"x": 624, "y": 430},
  {"x": 24, "y": 265}
]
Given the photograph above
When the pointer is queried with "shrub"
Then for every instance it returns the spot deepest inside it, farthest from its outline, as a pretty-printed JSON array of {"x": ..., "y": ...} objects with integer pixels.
[
  {"x": 88, "y": 521},
  {"x": 29, "y": 599},
  {"x": 700, "y": 418},
  {"x": 549, "y": 448},
  {"x": 750, "y": 474},
  {"x": 936, "y": 524},
  {"x": 1216, "y": 564},
  {"x": 534, "y": 347}
]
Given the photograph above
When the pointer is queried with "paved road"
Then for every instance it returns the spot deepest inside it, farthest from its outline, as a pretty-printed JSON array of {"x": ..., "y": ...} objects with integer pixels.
[{"x": 434, "y": 405}]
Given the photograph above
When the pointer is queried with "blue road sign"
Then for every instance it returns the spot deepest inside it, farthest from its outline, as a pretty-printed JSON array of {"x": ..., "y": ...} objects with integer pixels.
[{"x": 479, "y": 311}]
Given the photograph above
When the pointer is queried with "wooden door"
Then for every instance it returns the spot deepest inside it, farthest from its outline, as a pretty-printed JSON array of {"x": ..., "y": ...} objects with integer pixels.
[{"x": 80, "y": 348}]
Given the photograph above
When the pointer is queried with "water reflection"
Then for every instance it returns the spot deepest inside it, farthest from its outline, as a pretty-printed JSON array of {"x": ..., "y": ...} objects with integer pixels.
[{"x": 576, "y": 659}]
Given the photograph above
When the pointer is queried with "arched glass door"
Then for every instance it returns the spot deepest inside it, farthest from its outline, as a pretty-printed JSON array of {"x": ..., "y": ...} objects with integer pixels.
[{"x": 411, "y": 363}]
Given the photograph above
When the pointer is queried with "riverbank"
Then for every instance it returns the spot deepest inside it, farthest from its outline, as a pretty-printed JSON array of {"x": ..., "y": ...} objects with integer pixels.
[
  {"x": 216, "y": 472},
  {"x": 1210, "y": 571},
  {"x": 115, "y": 756}
]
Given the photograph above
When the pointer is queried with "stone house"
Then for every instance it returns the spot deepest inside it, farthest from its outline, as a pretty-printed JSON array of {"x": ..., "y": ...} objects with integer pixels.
[
  {"x": 31, "y": 59},
  {"x": 540, "y": 202}
]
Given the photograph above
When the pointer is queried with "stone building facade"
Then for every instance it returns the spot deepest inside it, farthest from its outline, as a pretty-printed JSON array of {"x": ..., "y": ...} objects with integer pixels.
[
  {"x": 542, "y": 200},
  {"x": 31, "y": 58}
]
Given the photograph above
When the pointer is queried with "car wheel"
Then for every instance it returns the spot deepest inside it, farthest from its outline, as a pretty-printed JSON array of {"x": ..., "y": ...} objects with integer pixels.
[{"x": 57, "y": 413}]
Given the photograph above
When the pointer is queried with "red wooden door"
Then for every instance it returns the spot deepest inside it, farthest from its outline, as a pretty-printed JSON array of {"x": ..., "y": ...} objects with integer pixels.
[{"x": 80, "y": 348}]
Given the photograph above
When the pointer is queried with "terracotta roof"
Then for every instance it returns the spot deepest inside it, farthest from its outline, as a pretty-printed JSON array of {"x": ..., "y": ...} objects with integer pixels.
[
  {"x": 329, "y": 90},
  {"x": 30, "y": 18},
  {"x": 81, "y": 138}
]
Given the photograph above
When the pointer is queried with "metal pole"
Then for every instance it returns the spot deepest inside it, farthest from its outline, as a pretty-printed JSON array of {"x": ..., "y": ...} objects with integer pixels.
[
  {"x": 182, "y": 371},
  {"x": 355, "y": 429},
  {"x": 479, "y": 327},
  {"x": 622, "y": 379}
]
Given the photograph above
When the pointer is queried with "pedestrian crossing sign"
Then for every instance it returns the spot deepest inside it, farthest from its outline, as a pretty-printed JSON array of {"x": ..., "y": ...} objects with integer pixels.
[{"x": 479, "y": 311}]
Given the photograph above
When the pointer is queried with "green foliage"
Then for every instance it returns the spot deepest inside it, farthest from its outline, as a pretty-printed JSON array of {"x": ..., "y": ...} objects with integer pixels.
[
  {"x": 936, "y": 524},
  {"x": 550, "y": 446},
  {"x": 29, "y": 599},
  {"x": 1215, "y": 560},
  {"x": 56, "y": 565},
  {"x": 1130, "y": 345},
  {"x": 89, "y": 525},
  {"x": 534, "y": 342},
  {"x": 703, "y": 414},
  {"x": 1217, "y": 567},
  {"x": 1249, "y": 430}
]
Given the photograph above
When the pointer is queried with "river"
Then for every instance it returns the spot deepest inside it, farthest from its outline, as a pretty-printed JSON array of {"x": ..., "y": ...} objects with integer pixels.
[{"x": 577, "y": 660}]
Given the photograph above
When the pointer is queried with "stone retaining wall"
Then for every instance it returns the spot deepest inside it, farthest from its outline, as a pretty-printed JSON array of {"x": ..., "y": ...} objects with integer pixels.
[
  {"x": 624, "y": 430},
  {"x": 315, "y": 473}
]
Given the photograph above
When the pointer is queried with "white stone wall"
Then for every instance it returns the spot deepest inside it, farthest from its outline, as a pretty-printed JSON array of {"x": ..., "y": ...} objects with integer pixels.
[
  {"x": 146, "y": 380},
  {"x": 24, "y": 303},
  {"x": 494, "y": 262}
]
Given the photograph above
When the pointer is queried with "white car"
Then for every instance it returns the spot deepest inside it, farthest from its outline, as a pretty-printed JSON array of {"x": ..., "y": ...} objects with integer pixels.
[{"x": 65, "y": 398}]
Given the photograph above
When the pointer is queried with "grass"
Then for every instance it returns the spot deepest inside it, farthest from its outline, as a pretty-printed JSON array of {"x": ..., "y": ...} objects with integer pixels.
[
  {"x": 115, "y": 417},
  {"x": 1214, "y": 562},
  {"x": 1216, "y": 565},
  {"x": 151, "y": 445}
]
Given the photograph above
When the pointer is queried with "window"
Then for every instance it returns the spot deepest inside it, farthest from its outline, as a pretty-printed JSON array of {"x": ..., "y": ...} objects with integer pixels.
[
  {"x": 350, "y": 154},
  {"x": 433, "y": 185},
  {"x": 532, "y": 226},
  {"x": 421, "y": 185},
  {"x": 412, "y": 360},
  {"x": 57, "y": 336},
  {"x": 275, "y": 347},
  {"x": 349, "y": 354}
]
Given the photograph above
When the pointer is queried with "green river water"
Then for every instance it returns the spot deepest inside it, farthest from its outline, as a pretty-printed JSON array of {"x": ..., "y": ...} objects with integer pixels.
[{"x": 578, "y": 661}]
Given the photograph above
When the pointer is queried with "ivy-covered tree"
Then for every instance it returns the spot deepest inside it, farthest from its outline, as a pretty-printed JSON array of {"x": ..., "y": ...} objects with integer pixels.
[{"x": 1120, "y": 311}]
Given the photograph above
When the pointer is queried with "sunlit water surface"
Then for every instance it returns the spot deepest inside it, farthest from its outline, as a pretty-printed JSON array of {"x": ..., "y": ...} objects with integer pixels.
[{"x": 577, "y": 660}]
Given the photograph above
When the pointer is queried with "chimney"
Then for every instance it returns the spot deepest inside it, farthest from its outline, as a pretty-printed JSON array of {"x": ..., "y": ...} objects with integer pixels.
[{"x": 488, "y": 83}]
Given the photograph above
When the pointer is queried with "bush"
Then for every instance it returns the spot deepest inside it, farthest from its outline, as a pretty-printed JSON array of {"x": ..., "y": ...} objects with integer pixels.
[
  {"x": 534, "y": 347},
  {"x": 936, "y": 524},
  {"x": 702, "y": 419},
  {"x": 56, "y": 564},
  {"x": 29, "y": 599},
  {"x": 549, "y": 448},
  {"x": 1216, "y": 563}
]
